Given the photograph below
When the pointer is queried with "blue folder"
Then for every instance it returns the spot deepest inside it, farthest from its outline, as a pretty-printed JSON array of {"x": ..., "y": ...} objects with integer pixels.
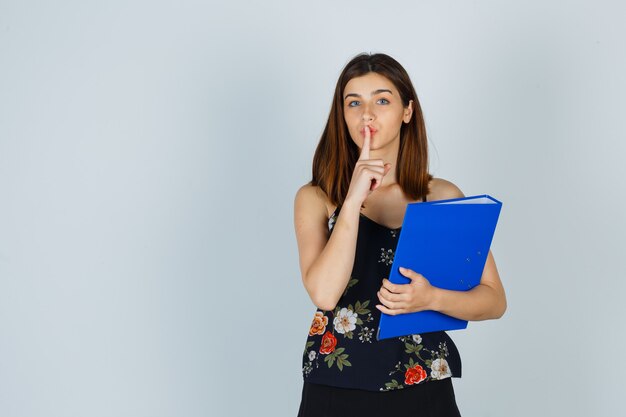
[{"x": 447, "y": 241}]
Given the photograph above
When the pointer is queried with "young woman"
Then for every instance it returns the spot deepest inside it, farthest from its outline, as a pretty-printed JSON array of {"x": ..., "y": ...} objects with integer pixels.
[{"x": 371, "y": 161}]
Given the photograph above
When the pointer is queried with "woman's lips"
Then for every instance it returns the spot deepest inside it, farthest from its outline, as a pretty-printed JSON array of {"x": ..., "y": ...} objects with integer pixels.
[{"x": 372, "y": 131}]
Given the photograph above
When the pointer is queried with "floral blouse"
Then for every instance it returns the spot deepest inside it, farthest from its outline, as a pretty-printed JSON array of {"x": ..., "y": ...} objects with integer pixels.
[{"x": 342, "y": 350}]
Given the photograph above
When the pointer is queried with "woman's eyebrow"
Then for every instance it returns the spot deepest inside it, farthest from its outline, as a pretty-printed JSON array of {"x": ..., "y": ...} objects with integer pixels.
[{"x": 380, "y": 90}]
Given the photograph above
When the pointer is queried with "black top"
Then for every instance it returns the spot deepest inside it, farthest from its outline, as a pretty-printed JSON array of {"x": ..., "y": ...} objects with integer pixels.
[{"x": 342, "y": 350}]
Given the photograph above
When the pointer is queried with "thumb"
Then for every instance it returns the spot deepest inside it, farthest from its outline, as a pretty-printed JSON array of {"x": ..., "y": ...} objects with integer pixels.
[
  {"x": 412, "y": 275},
  {"x": 407, "y": 273}
]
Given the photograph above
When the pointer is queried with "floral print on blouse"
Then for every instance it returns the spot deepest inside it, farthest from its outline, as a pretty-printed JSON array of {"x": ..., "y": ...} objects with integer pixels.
[{"x": 342, "y": 350}]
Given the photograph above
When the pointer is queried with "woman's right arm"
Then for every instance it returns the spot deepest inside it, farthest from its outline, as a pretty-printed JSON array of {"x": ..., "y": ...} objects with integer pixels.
[{"x": 325, "y": 261}]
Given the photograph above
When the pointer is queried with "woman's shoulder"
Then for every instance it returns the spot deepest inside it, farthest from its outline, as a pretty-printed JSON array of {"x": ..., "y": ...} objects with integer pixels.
[
  {"x": 441, "y": 189},
  {"x": 313, "y": 197}
]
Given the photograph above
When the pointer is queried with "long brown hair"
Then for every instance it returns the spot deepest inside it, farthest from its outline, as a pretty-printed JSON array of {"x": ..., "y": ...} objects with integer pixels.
[{"x": 336, "y": 154}]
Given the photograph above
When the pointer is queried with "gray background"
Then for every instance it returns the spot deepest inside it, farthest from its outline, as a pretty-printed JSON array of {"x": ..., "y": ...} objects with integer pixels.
[{"x": 149, "y": 156}]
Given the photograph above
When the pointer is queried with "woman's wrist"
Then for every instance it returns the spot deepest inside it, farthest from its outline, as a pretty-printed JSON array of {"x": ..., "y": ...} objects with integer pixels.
[
  {"x": 351, "y": 203},
  {"x": 351, "y": 206},
  {"x": 436, "y": 299}
]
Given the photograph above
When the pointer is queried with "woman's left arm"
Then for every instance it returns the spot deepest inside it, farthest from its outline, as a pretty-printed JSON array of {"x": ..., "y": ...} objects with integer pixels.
[{"x": 485, "y": 301}]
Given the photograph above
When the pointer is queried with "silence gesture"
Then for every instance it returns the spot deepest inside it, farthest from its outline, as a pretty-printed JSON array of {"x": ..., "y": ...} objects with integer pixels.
[{"x": 368, "y": 173}]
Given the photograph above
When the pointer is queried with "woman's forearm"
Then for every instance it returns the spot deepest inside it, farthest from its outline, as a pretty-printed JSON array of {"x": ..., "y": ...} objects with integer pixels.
[
  {"x": 328, "y": 276},
  {"x": 480, "y": 303}
]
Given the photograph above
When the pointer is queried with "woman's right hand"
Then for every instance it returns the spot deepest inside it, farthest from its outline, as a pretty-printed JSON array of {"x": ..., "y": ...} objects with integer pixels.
[{"x": 368, "y": 173}]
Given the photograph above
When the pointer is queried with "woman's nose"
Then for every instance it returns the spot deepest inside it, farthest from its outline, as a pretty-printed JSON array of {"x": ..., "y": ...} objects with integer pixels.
[{"x": 367, "y": 114}]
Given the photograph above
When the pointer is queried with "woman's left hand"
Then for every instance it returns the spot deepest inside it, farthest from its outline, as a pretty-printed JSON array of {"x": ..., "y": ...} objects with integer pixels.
[{"x": 406, "y": 298}]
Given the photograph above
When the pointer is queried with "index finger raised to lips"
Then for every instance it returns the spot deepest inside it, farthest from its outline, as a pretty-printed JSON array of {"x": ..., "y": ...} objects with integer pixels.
[{"x": 365, "y": 150}]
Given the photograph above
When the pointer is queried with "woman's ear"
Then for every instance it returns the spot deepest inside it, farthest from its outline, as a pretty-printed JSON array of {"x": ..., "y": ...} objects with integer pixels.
[{"x": 408, "y": 112}]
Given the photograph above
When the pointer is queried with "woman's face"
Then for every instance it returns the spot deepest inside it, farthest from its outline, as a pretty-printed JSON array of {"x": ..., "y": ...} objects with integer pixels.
[{"x": 372, "y": 100}]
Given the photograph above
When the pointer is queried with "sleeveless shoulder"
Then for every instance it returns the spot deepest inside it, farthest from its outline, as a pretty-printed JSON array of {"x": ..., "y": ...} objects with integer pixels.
[
  {"x": 311, "y": 201},
  {"x": 441, "y": 189}
]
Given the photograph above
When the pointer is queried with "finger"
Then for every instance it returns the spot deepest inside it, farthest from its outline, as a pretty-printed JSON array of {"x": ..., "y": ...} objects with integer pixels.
[
  {"x": 392, "y": 305},
  {"x": 376, "y": 181},
  {"x": 375, "y": 174},
  {"x": 365, "y": 149},
  {"x": 371, "y": 163},
  {"x": 387, "y": 295},
  {"x": 409, "y": 273},
  {"x": 385, "y": 310},
  {"x": 374, "y": 170},
  {"x": 392, "y": 288}
]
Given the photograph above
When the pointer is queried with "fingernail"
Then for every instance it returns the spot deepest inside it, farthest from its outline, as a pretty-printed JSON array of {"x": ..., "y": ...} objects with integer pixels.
[{"x": 402, "y": 269}]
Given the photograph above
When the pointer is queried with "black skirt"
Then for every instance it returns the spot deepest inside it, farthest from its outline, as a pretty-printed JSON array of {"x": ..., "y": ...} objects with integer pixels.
[{"x": 432, "y": 399}]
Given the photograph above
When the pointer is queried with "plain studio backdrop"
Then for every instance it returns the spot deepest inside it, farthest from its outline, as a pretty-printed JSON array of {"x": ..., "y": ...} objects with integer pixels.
[{"x": 150, "y": 152}]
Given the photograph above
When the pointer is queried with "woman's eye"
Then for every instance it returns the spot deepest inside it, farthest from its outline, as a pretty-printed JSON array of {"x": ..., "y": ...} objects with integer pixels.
[
  {"x": 383, "y": 101},
  {"x": 353, "y": 103}
]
